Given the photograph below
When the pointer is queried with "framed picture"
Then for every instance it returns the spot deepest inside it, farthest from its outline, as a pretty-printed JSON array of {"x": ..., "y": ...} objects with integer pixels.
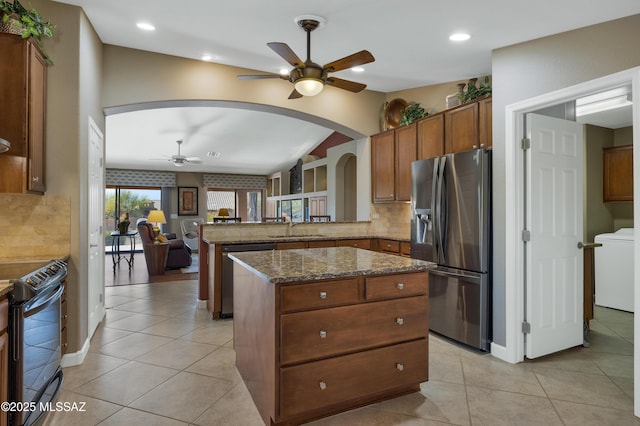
[{"x": 187, "y": 201}]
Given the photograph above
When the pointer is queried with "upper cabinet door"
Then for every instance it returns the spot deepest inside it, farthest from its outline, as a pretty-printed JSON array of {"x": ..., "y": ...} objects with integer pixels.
[
  {"x": 431, "y": 137},
  {"x": 36, "y": 121},
  {"x": 405, "y": 154},
  {"x": 461, "y": 128},
  {"x": 382, "y": 167},
  {"x": 486, "y": 123},
  {"x": 618, "y": 173}
]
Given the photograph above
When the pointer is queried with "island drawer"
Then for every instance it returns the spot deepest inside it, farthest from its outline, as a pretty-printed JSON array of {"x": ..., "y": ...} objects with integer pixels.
[
  {"x": 318, "y": 295},
  {"x": 334, "y": 331},
  {"x": 393, "y": 286},
  {"x": 323, "y": 383}
]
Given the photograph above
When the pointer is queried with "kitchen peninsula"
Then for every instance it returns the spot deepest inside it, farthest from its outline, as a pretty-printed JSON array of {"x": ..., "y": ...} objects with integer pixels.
[
  {"x": 323, "y": 330},
  {"x": 217, "y": 241}
]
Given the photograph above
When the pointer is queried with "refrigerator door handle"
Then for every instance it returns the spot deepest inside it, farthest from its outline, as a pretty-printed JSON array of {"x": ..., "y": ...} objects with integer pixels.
[
  {"x": 435, "y": 215},
  {"x": 441, "y": 211}
]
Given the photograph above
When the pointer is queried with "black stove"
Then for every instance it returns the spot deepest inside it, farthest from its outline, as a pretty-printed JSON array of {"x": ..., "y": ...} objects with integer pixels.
[
  {"x": 35, "y": 375},
  {"x": 38, "y": 280}
]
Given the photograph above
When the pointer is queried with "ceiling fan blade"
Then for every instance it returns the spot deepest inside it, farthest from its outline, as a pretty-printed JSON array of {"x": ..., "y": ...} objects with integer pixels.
[
  {"x": 286, "y": 53},
  {"x": 198, "y": 161},
  {"x": 359, "y": 58},
  {"x": 193, "y": 159},
  {"x": 295, "y": 94},
  {"x": 351, "y": 86},
  {"x": 262, "y": 76}
]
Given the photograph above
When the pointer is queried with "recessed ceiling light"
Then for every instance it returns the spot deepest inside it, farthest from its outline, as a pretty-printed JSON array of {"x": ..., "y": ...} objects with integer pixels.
[
  {"x": 145, "y": 26},
  {"x": 357, "y": 69},
  {"x": 459, "y": 37},
  {"x": 213, "y": 154},
  {"x": 207, "y": 57}
]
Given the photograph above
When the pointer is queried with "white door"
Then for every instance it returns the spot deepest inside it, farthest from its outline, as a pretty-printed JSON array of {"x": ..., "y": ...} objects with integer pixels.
[
  {"x": 554, "y": 287},
  {"x": 96, "y": 218}
]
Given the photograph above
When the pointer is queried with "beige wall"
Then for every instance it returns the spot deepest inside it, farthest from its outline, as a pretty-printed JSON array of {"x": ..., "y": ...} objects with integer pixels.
[
  {"x": 526, "y": 70},
  {"x": 134, "y": 76}
]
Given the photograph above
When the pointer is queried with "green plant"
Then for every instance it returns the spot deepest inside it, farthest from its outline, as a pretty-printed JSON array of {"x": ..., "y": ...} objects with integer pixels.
[
  {"x": 473, "y": 91},
  {"x": 412, "y": 113},
  {"x": 29, "y": 21}
]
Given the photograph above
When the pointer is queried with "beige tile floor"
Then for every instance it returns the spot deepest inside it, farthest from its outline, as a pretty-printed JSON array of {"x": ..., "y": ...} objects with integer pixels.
[{"x": 158, "y": 360}]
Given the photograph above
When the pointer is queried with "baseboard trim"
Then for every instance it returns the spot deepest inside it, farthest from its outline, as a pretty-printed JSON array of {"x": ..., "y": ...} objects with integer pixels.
[
  {"x": 501, "y": 352},
  {"x": 202, "y": 304},
  {"x": 76, "y": 358}
]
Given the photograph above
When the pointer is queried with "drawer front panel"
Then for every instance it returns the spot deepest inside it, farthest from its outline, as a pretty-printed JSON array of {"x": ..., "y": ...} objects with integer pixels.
[
  {"x": 322, "y": 383},
  {"x": 392, "y": 286},
  {"x": 317, "y": 334},
  {"x": 363, "y": 244},
  {"x": 390, "y": 246},
  {"x": 321, "y": 244},
  {"x": 319, "y": 295}
]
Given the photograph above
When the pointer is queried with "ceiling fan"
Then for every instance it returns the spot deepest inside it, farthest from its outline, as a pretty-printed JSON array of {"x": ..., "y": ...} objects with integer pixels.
[
  {"x": 179, "y": 160},
  {"x": 308, "y": 77}
]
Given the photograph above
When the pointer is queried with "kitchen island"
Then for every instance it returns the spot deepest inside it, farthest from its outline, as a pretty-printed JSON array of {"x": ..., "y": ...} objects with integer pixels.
[{"x": 324, "y": 330}]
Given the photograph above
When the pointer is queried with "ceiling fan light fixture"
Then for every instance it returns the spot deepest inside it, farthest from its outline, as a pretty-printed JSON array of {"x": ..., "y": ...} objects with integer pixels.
[{"x": 309, "y": 86}]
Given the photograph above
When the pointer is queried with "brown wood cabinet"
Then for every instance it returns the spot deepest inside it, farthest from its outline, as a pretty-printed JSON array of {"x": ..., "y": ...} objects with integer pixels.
[
  {"x": 296, "y": 363},
  {"x": 431, "y": 136},
  {"x": 361, "y": 243},
  {"x": 618, "y": 173},
  {"x": 461, "y": 128},
  {"x": 4, "y": 357},
  {"x": 485, "y": 126},
  {"x": 22, "y": 121},
  {"x": 391, "y": 155}
]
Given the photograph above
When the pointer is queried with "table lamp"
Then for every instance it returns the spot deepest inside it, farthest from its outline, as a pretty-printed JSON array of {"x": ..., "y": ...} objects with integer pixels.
[
  {"x": 223, "y": 212},
  {"x": 156, "y": 216}
]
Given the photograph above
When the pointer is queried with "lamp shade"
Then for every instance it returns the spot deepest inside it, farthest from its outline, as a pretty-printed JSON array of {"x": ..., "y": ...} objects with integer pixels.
[
  {"x": 309, "y": 86},
  {"x": 223, "y": 212},
  {"x": 156, "y": 216}
]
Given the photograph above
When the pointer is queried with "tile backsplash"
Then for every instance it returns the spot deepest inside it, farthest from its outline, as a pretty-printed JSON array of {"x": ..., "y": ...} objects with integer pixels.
[
  {"x": 391, "y": 219},
  {"x": 34, "y": 227}
]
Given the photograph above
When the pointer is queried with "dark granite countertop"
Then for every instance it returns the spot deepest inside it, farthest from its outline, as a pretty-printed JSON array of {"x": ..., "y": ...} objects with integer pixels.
[{"x": 284, "y": 266}]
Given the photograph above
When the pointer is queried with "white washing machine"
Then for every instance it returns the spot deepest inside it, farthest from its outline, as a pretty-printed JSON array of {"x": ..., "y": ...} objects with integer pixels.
[{"x": 614, "y": 270}]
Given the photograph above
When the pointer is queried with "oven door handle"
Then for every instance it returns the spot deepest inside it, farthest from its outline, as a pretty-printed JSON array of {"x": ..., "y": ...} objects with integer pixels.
[{"x": 36, "y": 305}]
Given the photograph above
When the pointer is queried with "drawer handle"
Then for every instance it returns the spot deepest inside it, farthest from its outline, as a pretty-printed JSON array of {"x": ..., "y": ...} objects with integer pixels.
[
  {"x": 400, "y": 286},
  {"x": 36, "y": 178},
  {"x": 322, "y": 385},
  {"x": 389, "y": 245},
  {"x": 399, "y": 321},
  {"x": 323, "y": 295},
  {"x": 323, "y": 334},
  {"x": 65, "y": 316},
  {"x": 400, "y": 367}
]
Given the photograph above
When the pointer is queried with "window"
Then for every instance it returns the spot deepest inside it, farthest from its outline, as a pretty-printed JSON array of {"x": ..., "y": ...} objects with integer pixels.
[
  {"x": 136, "y": 202},
  {"x": 242, "y": 203}
]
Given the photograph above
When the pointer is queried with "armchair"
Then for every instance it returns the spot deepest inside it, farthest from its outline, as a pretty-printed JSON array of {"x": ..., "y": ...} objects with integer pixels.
[
  {"x": 179, "y": 254},
  {"x": 191, "y": 232}
]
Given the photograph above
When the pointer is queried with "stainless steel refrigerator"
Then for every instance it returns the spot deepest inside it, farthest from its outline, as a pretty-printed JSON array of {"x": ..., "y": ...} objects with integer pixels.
[{"x": 451, "y": 226}]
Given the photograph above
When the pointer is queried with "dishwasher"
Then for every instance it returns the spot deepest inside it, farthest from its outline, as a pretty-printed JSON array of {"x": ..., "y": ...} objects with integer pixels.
[{"x": 226, "y": 310}]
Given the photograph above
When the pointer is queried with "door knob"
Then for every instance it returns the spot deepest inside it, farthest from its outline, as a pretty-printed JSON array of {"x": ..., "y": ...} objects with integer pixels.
[{"x": 580, "y": 245}]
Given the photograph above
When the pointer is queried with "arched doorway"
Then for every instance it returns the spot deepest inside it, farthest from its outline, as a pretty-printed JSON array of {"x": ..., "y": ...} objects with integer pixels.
[{"x": 346, "y": 188}]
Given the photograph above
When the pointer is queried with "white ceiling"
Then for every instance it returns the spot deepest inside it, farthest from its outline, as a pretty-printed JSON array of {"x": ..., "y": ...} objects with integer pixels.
[{"x": 408, "y": 38}]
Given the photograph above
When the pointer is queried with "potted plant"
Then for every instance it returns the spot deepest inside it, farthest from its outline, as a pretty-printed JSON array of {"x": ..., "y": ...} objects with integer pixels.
[
  {"x": 17, "y": 19},
  {"x": 412, "y": 113},
  {"x": 473, "y": 91}
]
